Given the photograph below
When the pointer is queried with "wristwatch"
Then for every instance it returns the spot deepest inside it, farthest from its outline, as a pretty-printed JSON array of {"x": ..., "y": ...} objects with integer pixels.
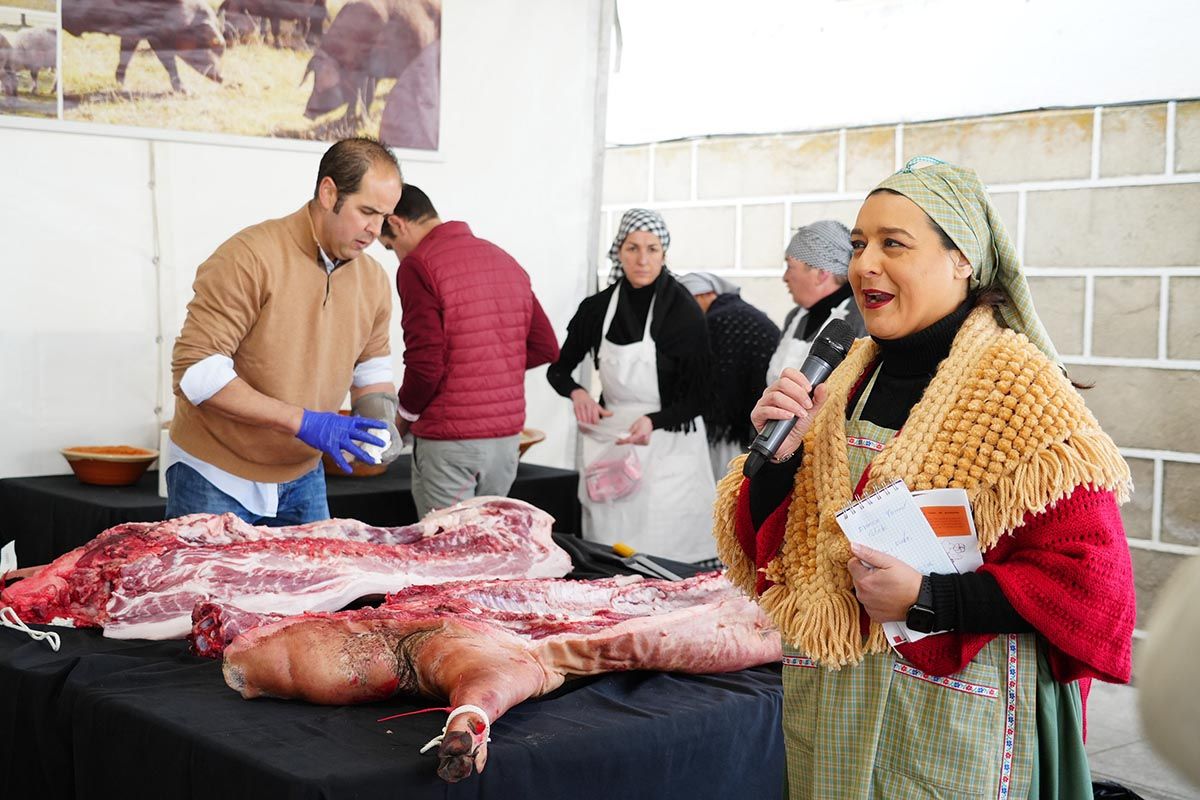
[{"x": 920, "y": 614}]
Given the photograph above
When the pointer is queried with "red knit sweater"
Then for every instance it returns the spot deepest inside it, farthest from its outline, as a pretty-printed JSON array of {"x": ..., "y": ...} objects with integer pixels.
[{"x": 1066, "y": 570}]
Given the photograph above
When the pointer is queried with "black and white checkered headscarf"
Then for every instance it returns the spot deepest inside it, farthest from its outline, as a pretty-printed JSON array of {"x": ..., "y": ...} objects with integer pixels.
[
  {"x": 636, "y": 219},
  {"x": 822, "y": 245}
]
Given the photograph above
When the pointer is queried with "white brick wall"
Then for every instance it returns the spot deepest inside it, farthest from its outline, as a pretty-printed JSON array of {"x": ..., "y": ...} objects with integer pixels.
[{"x": 1104, "y": 207}]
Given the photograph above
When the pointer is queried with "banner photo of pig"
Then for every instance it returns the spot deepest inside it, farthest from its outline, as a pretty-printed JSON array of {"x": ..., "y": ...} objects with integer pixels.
[
  {"x": 141, "y": 580},
  {"x": 486, "y": 646},
  {"x": 300, "y": 69},
  {"x": 28, "y": 62}
]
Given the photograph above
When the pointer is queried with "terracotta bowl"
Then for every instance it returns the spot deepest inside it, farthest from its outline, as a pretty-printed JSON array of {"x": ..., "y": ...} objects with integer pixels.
[
  {"x": 359, "y": 469},
  {"x": 117, "y": 465},
  {"x": 529, "y": 437}
]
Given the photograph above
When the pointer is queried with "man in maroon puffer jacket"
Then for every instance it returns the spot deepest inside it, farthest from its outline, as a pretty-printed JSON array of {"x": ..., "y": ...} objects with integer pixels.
[{"x": 472, "y": 327}]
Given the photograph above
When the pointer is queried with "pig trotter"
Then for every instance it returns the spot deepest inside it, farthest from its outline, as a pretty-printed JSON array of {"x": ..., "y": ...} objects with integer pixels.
[
  {"x": 457, "y": 754},
  {"x": 462, "y": 752}
]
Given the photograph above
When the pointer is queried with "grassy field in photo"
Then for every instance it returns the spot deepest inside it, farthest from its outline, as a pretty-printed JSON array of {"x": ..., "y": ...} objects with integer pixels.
[
  {"x": 261, "y": 94},
  {"x": 32, "y": 5}
]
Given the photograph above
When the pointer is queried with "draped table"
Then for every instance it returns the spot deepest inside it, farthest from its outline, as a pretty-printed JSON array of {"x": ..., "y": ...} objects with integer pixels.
[{"x": 103, "y": 718}]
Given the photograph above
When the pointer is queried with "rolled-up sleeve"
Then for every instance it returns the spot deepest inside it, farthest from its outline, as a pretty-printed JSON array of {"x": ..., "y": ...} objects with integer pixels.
[
  {"x": 207, "y": 377},
  {"x": 372, "y": 371}
]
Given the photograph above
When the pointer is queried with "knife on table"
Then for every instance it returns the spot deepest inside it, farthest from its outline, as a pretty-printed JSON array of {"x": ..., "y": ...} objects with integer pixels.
[{"x": 633, "y": 559}]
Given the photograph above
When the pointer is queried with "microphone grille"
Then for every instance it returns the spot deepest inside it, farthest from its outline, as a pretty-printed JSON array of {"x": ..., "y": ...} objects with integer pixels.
[{"x": 833, "y": 342}]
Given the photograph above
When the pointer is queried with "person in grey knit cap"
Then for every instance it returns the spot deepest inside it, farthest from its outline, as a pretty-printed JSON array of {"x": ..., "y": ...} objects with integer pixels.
[{"x": 818, "y": 259}]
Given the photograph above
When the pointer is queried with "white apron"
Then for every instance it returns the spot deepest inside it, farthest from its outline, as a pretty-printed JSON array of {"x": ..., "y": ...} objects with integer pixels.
[
  {"x": 792, "y": 351},
  {"x": 670, "y": 514}
]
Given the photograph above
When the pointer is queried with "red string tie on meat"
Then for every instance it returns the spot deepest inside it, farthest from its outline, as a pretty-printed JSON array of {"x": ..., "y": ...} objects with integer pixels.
[{"x": 418, "y": 711}]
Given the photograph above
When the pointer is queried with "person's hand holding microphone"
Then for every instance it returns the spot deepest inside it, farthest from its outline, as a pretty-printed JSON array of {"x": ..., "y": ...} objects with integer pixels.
[
  {"x": 786, "y": 410},
  {"x": 790, "y": 396}
]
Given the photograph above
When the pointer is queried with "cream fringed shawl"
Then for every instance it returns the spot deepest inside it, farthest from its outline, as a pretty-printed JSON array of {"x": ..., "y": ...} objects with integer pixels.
[{"x": 999, "y": 419}]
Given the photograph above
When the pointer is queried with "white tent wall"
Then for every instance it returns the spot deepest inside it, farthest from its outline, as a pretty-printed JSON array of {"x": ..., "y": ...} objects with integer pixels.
[
  {"x": 782, "y": 65},
  {"x": 83, "y": 302}
]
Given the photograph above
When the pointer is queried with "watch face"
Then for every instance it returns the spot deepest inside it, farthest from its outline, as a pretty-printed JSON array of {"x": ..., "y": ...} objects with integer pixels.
[{"x": 920, "y": 619}]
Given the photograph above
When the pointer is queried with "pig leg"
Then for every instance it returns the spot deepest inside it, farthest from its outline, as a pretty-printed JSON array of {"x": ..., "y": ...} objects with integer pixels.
[
  {"x": 167, "y": 58},
  {"x": 128, "y": 45},
  {"x": 463, "y": 751},
  {"x": 34, "y": 73},
  {"x": 351, "y": 93},
  {"x": 314, "y": 26},
  {"x": 369, "y": 94},
  {"x": 364, "y": 92},
  {"x": 457, "y": 756},
  {"x": 275, "y": 30}
]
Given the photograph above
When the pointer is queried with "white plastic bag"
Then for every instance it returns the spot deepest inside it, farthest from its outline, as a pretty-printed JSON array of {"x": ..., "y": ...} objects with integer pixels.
[{"x": 615, "y": 473}]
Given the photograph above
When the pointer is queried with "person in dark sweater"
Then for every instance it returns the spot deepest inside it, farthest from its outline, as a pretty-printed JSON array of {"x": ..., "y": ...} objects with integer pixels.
[
  {"x": 646, "y": 337},
  {"x": 742, "y": 339},
  {"x": 958, "y": 386}
]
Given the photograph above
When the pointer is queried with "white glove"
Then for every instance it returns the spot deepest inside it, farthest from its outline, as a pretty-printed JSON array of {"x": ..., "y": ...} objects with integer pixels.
[{"x": 381, "y": 406}]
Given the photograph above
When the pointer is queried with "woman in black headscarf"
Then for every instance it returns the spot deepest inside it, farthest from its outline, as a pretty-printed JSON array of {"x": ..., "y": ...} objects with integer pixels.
[{"x": 647, "y": 339}]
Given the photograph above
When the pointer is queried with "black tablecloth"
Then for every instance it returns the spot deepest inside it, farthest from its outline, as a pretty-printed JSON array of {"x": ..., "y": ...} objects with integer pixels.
[
  {"x": 135, "y": 719},
  {"x": 49, "y": 515}
]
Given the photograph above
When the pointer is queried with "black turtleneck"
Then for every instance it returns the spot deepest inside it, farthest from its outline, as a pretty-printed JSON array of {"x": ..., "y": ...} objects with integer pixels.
[
  {"x": 906, "y": 366},
  {"x": 684, "y": 362},
  {"x": 629, "y": 319},
  {"x": 972, "y": 602}
]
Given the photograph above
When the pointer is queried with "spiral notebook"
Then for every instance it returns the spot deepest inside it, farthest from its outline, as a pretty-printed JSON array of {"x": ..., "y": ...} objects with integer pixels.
[
  {"x": 890, "y": 520},
  {"x": 932, "y": 531}
]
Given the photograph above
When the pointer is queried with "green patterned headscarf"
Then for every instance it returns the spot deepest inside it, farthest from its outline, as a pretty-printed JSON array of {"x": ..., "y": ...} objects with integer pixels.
[{"x": 956, "y": 200}]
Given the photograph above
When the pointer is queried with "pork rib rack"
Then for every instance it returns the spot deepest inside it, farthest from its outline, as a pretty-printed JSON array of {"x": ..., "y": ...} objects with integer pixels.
[
  {"x": 142, "y": 580},
  {"x": 493, "y": 644}
]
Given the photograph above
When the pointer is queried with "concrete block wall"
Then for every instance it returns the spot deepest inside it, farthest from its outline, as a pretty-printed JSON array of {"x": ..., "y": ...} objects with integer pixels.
[{"x": 1103, "y": 204}]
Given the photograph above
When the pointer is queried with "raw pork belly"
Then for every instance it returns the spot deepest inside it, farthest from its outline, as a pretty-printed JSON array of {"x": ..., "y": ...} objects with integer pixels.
[
  {"x": 142, "y": 580},
  {"x": 493, "y": 644}
]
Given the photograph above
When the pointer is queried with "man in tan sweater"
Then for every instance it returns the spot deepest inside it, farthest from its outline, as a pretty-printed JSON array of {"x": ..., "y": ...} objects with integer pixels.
[{"x": 287, "y": 316}]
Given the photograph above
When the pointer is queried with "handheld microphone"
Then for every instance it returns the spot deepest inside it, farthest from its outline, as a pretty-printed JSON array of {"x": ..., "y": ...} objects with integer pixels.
[{"x": 830, "y": 348}]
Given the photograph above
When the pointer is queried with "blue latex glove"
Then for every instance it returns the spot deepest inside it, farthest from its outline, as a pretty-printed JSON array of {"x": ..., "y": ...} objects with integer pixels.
[{"x": 332, "y": 433}]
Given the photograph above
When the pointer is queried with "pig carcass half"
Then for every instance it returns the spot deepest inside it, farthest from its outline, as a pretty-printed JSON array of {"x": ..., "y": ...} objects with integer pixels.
[
  {"x": 142, "y": 579},
  {"x": 488, "y": 645}
]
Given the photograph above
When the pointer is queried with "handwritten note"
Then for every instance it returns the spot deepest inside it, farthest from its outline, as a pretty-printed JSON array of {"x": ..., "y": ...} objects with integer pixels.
[
  {"x": 890, "y": 520},
  {"x": 932, "y": 531}
]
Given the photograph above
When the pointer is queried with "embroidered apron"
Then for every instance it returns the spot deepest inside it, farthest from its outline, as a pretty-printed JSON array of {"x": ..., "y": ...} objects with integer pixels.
[
  {"x": 792, "y": 351},
  {"x": 670, "y": 514},
  {"x": 884, "y": 729}
]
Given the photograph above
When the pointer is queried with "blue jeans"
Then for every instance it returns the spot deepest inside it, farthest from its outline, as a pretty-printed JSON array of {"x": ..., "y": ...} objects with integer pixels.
[{"x": 300, "y": 501}]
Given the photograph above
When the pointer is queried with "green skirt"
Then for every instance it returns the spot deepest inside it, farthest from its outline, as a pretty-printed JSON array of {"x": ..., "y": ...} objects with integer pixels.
[{"x": 1001, "y": 728}]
